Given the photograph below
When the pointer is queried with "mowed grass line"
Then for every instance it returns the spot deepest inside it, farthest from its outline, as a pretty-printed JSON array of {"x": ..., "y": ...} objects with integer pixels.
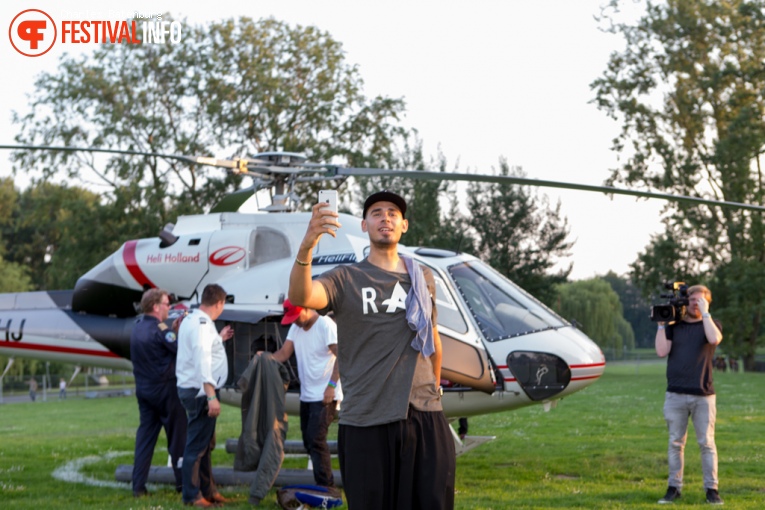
[{"x": 604, "y": 447}]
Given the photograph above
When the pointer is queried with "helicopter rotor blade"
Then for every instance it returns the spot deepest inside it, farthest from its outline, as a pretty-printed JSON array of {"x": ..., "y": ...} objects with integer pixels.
[
  {"x": 524, "y": 181},
  {"x": 225, "y": 163},
  {"x": 294, "y": 165},
  {"x": 235, "y": 165},
  {"x": 266, "y": 163}
]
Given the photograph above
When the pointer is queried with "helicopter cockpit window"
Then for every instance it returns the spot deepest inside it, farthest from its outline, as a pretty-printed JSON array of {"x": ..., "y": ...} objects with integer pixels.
[
  {"x": 501, "y": 309},
  {"x": 448, "y": 312},
  {"x": 267, "y": 244}
]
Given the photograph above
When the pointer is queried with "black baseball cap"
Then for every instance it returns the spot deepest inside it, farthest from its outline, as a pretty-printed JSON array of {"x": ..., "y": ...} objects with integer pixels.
[{"x": 384, "y": 196}]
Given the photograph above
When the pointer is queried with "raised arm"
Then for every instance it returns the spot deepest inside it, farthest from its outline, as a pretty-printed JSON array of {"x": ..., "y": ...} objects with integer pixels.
[
  {"x": 711, "y": 331},
  {"x": 663, "y": 346},
  {"x": 303, "y": 290}
]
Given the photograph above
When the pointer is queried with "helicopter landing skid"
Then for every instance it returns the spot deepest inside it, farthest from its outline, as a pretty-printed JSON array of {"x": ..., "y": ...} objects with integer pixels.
[{"x": 469, "y": 442}]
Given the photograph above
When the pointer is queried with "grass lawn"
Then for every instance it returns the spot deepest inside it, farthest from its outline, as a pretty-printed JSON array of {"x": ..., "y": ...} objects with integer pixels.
[{"x": 602, "y": 448}]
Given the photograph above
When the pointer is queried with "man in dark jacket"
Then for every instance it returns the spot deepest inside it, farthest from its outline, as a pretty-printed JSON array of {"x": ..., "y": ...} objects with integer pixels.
[{"x": 153, "y": 349}]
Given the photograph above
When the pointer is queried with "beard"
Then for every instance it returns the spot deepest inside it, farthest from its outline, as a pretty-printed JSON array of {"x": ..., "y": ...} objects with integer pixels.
[{"x": 385, "y": 242}]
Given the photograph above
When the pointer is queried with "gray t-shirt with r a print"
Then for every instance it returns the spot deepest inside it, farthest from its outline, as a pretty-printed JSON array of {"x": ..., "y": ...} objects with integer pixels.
[{"x": 380, "y": 371}]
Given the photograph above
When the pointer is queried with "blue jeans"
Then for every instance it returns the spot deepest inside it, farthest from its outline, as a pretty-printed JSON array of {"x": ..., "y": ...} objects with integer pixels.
[
  {"x": 315, "y": 419},
  {"x": 702, "y": 410},
  {"x": 200, "y": 442}
]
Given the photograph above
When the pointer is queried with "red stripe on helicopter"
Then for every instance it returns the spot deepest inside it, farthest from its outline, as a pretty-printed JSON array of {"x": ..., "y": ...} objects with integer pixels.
[
  {"x": 589, "y": 366},
  {"x": 53, "y": 348},
  {"x": 585, "y": 377},
  {"x": 577, "y": 367},
  {"x": 131, "y": 262}
]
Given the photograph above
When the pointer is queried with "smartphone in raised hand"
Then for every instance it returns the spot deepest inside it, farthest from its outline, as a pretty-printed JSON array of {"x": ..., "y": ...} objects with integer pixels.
[{"x": 329, "y": 196}]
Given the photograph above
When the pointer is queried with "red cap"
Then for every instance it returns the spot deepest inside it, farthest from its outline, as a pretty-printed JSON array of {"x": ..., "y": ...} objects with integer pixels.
[{"x": 291, "y": 312}]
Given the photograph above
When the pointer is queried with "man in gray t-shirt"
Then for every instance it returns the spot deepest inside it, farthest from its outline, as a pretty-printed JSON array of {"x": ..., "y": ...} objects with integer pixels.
[
  {"x": 395, "y": 446},
  {"x": 376, "y": 358}
]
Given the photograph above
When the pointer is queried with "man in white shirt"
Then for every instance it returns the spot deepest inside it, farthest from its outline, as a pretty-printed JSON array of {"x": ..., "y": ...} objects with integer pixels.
[
  {"x": 201, "y": 369},
  {"x": 313, "y": 339}
]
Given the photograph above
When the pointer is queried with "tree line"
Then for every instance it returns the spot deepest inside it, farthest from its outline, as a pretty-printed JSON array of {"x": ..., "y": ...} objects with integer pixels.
[
  {"x": 242, "y": 86},
  {"x": 688, "y": 92}
]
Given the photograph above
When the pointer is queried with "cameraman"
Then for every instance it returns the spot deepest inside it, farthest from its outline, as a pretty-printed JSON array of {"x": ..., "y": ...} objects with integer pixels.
[{"x": 690, "y": 344}]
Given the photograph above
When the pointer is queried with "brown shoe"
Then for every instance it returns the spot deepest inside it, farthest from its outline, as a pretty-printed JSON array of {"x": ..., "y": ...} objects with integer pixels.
[
  {"x": 218, "y": 498},
  {"x": 202, "y": 503}
]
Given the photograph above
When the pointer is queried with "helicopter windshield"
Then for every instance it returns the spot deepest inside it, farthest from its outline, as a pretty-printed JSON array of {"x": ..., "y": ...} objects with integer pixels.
[{"x": 501, "y": 309}]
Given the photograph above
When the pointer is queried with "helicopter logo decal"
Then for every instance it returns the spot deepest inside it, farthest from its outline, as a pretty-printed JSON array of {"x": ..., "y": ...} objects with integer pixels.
[
  {"x": 227, "y": 256},
  {"x": 541, "y": 371}
]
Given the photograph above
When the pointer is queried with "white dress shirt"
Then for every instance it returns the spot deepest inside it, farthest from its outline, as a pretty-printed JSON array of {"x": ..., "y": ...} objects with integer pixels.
[{"x": 201, "y": 355}]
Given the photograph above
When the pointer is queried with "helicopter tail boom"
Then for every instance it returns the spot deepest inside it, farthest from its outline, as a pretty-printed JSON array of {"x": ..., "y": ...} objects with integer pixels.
[{"x": 41, "y": 325}]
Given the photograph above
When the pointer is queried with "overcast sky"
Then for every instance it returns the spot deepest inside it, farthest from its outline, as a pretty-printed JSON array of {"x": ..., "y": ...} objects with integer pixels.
[{"x": 481, "y": 80}]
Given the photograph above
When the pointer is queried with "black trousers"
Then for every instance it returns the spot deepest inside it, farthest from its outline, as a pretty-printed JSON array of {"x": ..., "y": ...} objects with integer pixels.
[
  {"x": 159, "y": 407},
  {"x": 404, "y": 465},
  {"x": 315, "y": 419}
]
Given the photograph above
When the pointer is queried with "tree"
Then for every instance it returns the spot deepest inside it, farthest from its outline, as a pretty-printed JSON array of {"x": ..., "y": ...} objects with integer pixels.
[
  {"x": 596, "y": 309},
  {"x": 635, "y": 308},
  {"x": 429, "y": 224},
  {"x": 59, "y": 232},
  {"x": 14, "y": 277},
  {"x": 738, "y": 296},
  {"x": 519, "y": 234},
  {"x": 703, "y": 137},
  {"x": 270, "y": 86},
  {"x": 232, "y": 88}
]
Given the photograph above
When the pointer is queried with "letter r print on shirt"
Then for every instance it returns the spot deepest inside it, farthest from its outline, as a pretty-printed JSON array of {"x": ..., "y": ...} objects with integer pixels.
[{"x": 368, "y": 296}]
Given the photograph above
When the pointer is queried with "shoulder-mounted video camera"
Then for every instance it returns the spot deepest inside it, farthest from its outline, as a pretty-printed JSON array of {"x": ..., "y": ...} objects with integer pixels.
[{"x": 674, "y": 309}]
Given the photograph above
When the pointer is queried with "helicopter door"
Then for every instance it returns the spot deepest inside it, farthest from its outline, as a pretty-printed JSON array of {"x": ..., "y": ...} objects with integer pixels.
[
  {"x": 464, "y": 361},
  {"x": 228, "y": 255}
]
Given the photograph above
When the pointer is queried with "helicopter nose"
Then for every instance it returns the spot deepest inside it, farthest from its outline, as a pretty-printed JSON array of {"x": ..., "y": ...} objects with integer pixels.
[{"x": 540, "y": 375}]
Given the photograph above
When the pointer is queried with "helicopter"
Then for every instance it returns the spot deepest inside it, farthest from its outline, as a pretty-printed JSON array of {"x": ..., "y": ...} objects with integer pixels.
[{"x": 502, "y": 348}]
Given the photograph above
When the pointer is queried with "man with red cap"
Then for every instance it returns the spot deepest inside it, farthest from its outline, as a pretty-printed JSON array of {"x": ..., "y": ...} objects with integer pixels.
[{"x": 313, "y": 339}]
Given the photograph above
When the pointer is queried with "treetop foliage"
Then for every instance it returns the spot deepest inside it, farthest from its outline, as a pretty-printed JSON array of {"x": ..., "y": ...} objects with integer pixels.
[
  {"x": 687, "y": 90},
  {"x": 595, "y": 308},
  {"x": 235, "y": 88}
]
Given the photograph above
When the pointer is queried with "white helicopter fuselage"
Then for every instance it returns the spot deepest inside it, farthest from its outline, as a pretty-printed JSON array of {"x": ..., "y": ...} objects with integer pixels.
[{"x": 502, "y": 348}]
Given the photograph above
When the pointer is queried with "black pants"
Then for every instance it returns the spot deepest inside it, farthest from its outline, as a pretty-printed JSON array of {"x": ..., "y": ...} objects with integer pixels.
[
  {"x": 159, "y": 407},
  {"x": 315, "y": 419},
  {"x": 404, "y": 465}
]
